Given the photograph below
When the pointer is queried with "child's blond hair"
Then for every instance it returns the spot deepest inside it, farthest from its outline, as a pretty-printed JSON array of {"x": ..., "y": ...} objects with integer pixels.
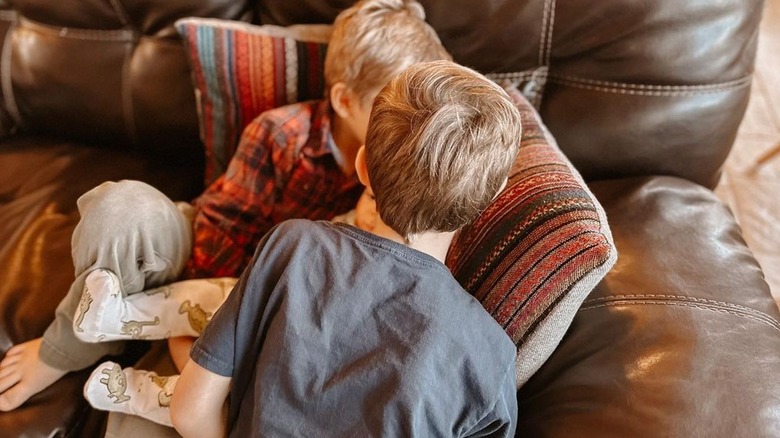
[
  {"x": 441, "y": 140},
  {"x": 375, "y": 39}
]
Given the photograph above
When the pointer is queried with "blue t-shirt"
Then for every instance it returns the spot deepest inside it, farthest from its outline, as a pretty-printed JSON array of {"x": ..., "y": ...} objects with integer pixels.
[{"x": 333, "y": 331}]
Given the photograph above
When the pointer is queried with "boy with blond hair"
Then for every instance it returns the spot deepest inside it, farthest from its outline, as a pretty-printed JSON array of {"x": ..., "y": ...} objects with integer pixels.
[
  {"x": 292, "y": 162},
  {"x": 335, "y": 331}
]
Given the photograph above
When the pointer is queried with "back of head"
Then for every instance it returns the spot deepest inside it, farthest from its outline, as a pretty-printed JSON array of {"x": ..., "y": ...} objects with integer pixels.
[
  {"x": 440, "y": 143},
  {"x": 374, "y": 40}
]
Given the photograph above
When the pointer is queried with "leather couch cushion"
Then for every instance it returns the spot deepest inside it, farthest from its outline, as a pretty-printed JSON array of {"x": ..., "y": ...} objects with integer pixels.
[
  {"x": 7, "y": 125},
  {"x": 680, "y": 339},
  {"x": 111, "y": 73},
  {"x": 677, "y": 73}
]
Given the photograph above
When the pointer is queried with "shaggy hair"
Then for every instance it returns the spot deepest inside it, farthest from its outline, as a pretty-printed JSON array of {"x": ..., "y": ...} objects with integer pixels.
[
  {"x": 441, "y": 140},
  {"x": 374, "y": 40}
]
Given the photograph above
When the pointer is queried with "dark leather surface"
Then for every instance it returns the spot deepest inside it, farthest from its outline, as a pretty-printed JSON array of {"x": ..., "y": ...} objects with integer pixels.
[
  {"x": 677, "y": 72},
  {"x": 7, "y": 124},
  {"x": 57, "y": 411},
  {"x": 105, "y": 72},
  {"x": 681, "y": 339}
]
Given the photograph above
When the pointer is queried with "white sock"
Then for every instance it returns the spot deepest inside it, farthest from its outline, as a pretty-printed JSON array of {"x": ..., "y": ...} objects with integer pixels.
[
  {"x": 131, "y": 391},
  {"x": 178, "y": 309}
]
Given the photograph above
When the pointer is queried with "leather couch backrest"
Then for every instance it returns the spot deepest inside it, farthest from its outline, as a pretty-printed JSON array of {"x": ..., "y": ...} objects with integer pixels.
[
  {"x": 628, "y": 87},
  {"x": 110, "y": 72}
]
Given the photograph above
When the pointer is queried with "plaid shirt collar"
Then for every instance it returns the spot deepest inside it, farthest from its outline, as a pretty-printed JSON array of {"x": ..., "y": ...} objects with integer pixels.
[{"x": 315, "y": 149}]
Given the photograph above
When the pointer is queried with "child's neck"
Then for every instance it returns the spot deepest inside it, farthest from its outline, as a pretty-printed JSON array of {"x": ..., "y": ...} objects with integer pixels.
[
  {"x": 346, "y": 142},
  {"x": 434, "y": 243}
]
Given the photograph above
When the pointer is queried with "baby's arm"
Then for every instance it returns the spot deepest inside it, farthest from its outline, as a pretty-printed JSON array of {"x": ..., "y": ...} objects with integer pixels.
[{"x": 199, "y": 403}]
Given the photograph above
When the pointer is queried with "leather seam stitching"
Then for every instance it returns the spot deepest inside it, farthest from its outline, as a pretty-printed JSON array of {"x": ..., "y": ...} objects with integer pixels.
[
  {"x": 123, "y": 35},
  {"x": 8, "y": 89},
  {"x": 678, "y": 298},
  {"x": 550, "y": 26},
  {"x": 543, "y": 35},
  {"x": 650, "y": 89},
  {"x": 510, "y": 76},
  {"x": 702, "y": 304}
]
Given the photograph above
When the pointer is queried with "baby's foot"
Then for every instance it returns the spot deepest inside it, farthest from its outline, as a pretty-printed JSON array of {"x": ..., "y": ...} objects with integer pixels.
[
  {"x": 23, "y": 374},
  {"x": 99, "y": 314},
  {"x": 131, "y": 391}
]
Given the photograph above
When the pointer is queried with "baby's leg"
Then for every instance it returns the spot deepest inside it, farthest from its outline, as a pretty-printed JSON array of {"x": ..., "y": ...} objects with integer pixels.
[
  {"x": 132, "y": 230},
  {"x": 131, "y": 391},
  {"x": 177, "y": 309},
  {"x": 127, "y": 227},
  {"x": 23, "y": 374}
]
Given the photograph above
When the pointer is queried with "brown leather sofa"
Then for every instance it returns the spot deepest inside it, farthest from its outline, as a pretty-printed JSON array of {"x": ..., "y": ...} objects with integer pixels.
[{"x": 682, "y": 337}]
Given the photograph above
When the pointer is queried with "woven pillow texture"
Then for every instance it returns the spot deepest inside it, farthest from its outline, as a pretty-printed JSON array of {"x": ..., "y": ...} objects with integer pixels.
[
  {"x": 240, "y": 70},
  {"x": 538, "y": 250}
]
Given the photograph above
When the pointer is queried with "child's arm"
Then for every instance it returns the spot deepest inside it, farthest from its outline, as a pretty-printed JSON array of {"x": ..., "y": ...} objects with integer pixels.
[
  {"x": 235, "y": 210},
  {"x": 199, "y": 403}
]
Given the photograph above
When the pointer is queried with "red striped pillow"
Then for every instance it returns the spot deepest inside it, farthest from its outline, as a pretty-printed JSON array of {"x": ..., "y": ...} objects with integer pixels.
[
  {"x": 534, "y": 255},
  {"x": 240, "y": 70}
]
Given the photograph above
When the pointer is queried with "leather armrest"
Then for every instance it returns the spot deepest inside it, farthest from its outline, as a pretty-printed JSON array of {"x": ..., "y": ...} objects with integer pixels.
[{"x": 682, "y": 338}]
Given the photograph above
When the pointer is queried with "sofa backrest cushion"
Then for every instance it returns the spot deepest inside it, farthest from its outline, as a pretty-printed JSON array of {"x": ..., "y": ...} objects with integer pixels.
[
  {"x": 627, "y": 88},
  {"x": 110, "y": 73},
  {"x": 623, "y": 86}
]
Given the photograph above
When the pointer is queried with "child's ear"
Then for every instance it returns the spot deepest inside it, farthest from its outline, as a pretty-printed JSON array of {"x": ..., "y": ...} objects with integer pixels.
[
  {"x": 341, "y": 99},
  {"x": 361, "y": 168}
]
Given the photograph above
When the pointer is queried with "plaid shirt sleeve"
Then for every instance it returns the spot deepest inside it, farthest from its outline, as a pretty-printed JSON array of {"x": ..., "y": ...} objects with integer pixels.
[{"x": 236, "y": 210}]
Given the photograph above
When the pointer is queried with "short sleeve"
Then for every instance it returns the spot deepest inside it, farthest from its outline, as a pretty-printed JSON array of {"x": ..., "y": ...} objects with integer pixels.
[
  {"x": 501, "y": 420},
  {"x": 214, "y": 350},
  {"x": 222, "y": 347}
]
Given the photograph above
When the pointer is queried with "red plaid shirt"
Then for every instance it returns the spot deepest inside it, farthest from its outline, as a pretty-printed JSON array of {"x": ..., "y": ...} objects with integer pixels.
[{"x": 283, "y": 168}]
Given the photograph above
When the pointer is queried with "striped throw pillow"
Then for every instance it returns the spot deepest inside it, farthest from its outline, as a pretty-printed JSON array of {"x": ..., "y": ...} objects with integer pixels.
[
  {"x": 240, "y": 70},
  {"x": 538, "y": 250}
]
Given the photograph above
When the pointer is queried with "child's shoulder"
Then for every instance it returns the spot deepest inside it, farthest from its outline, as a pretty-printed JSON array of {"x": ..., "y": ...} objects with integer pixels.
[
  {"x": 297, "y": 113},
  {"x": 302, "y": 226},
  {"x": 303, "y": 232}
]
